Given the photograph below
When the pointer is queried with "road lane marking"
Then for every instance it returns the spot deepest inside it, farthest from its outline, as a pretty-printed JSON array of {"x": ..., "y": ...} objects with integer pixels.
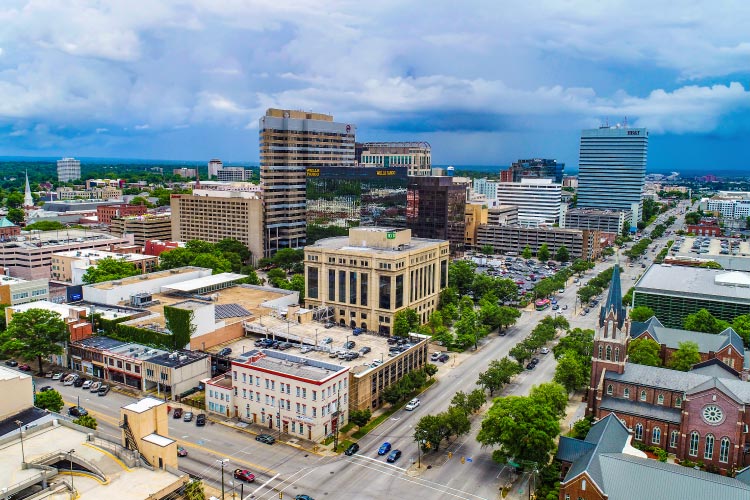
[{"x": 261, "y": 487}]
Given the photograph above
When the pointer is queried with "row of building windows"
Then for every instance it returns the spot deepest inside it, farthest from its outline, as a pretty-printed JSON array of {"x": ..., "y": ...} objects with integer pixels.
[
  {"x": 644, "y": 396},
  {"x": 708, "y": 449},
  {"x": 285, "y": 388}
]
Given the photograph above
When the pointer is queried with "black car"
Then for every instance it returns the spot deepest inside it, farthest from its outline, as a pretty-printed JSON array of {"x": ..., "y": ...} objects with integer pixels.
[
  {"x": 531, "y": 366},
  {"x": 77, "y": 411},
  {"x": 11, "y": 362},
  {"x": 265, "y": 438},
  {"x": 225, "y": 352},
  {"x": 444, "y": 357},
  {"x": 349, "y": 345},
  {"x": 45, "y": 388},
  {"x": 103, "y": 390},
  {"x": 392, "y": 340},
  {"x": 352, "y": 449},
  {"x": 79, "y": 382},
  {"x": 200, "y": 420},
  {"x": 365, "y": 350},
  {"x": 177, "y": 413}
]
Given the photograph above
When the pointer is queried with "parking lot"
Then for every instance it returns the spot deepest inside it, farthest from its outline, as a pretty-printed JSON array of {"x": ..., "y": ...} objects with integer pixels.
[
  {"x": 524, "y": 272},
  {"x": 704, "y": 245}
]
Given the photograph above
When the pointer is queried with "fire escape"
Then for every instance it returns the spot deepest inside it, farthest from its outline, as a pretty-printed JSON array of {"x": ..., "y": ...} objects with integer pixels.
[{"x": 130, "y": 441}]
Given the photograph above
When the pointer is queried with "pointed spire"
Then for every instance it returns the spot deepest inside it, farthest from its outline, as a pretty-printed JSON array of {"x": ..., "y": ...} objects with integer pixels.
[
  {"x": 28, "y": 200},
  {"x": 614, "y": 298}
]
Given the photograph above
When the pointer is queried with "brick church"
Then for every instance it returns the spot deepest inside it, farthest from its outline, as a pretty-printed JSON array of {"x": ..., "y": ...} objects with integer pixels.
[{"x": 702, "y": 415}]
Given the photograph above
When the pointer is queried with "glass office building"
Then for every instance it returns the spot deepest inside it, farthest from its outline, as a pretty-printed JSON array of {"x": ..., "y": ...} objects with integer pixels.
[
  {"x": 356, "y": 196},
  {"x": 612, "y": 170}
]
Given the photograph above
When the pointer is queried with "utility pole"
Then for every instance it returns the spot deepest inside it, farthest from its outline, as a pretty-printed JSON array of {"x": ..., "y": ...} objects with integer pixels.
[
  {"x": 72, "y": 486},
  {"x": 20, "y": 433},
  {"x": 223, "y": 462}
]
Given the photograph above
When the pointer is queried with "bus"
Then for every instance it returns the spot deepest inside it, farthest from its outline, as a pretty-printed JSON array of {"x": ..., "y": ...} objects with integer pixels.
[{"x": 542, "y": 304}]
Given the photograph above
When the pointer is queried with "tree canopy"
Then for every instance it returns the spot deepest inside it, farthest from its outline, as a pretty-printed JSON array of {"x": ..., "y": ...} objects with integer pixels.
[
  {"x": 405, "y": 321},
  {"x": 543, "y": 253},
  {"x": 686, "y": 355},
  {"x": 644, "y": 351},
  {"x": 108, "y": 269},
  {"x": 562, "y": 254},
  {"x": 49, "y": 400},
  {"x": 224, "y": 256},
  {"x": 34, "y": 334},
  {"x": 704, "y": 321},
  {"x": 641, "y": 313}
]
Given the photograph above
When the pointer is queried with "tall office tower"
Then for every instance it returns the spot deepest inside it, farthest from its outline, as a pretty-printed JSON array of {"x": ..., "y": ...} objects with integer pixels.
[
  {"x": 214, "y": 165},
  {"x": 436, "y": 208},
  {"x": 292, "y": 143},
  {"x": 536, "y": 168},
  {"x": 415, "y": 156},
  {"x": 538, "y": 200},
  {"x": 68, "y": 169},
  {"x": 612, "y": 170}
]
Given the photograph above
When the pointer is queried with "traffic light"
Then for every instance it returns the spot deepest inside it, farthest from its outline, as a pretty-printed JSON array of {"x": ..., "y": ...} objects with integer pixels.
[{"x": 450, "y": 455}]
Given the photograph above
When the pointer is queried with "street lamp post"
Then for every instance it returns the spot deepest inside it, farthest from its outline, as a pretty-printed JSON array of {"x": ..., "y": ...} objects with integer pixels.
[
  {"x": 20, "y": 433},
  {"x": 72, "y": 486},
  {"x": 316, "y": 339},
  {"x": 223, "y": 462}
]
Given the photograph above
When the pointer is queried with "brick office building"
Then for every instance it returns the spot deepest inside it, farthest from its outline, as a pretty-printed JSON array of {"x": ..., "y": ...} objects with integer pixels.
[
  {"x": 105, "y": 213},
  {"x": 700, "y": 415}
]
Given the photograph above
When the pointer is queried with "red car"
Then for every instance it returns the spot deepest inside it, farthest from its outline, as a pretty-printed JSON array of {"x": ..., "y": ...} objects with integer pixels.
[
  {"x": 244, "y": 475},
  {"x": 177, "y": 413},
  {"x": 24, "y": 367}
]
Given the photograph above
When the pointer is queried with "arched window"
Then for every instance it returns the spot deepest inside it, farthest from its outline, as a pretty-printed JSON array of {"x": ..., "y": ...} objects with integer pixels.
[
  {"x": 638, "y": 432},
  {"x": 656, "y": 436},
  {"x": 673, "y": 438},
  {"x": 600, "y": 351},
  {"x": 694, "y": 438},
  {"x": 617, "y": 354},
  {"x": 678, "y": 402},
  {"x": 626, "y": 392},
  {"x": 609, "y": 353},
  {"x": 708, "y": 453},
  {"x": 609, "y": 389},
  {"x": 643, "y": 395},
  {"x": 660, "y": 399},
  {"x": 724, "y": 450}
]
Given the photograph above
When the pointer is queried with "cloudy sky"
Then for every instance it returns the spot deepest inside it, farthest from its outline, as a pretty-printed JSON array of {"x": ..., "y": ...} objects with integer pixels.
[{"x": 485, "y": 82}]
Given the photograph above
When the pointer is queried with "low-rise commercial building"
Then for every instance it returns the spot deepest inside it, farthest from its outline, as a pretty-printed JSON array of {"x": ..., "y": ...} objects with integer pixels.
[
  {"x": 97, "y": 193},
  {"x": 366, "y": 278},
  {"x": 76, "y": 318},
  {"x": 219, "y": 392},
  {"x": 175, "y": 372},
  {"x": 582, "y": 244},
  {"x": 233, "y": 174},
  {"x": 606, "y": 221},
  {"x": 301, "y": 396},
  {"x": 70, "y": 266},
  {"x": 14, "y": 291},
  {"x": 143, "y": 227},
  {"x": 8, "y": 230},
  {"x": 674, "y": 292},
  {"x": 105, "y": 213}
]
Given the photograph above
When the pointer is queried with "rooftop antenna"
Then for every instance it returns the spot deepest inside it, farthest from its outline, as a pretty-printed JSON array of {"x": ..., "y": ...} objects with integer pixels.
[{"x": 625, "y": 122}]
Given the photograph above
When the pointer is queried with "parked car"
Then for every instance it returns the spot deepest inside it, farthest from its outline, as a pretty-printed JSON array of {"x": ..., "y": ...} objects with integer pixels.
[
  {"x": 349, "y": 345},
  {"x": 530, "y": 366},
  {"x": 303, "y": 497},
  {"x": 200, "y": 420},
  {"x": 45, "y": 388},
  {"x": 95, "y": 386},
  {"x": 392, "y": 340},
  {"x": 225, "y": 352},
  {"x": 77, "y": 411},
  {"x": 305, "y": 349},
  {"x": 11, "y": 362},
  {"x": 412, "y": 405},
  {"x": 435, "y": 356},
  {"x": 265, "y": 438},
  {"x": 103, "y": 390},
  {"x": 333, "y": 354},
  {"x": 70, "y": 379},
  {"x": 544, "y": 350},
  {"x": 24, "y": 367},
  {"x": 181, "y": 452},
  {"x": 365, "y": 350},
  {"x": 177, "y": 413},
  {"x": 393, "y": 456},
  {"x": 352, "y": 449},
  {"x": 565, "y": 307},
  {"x": 444, "y": 357},
  {"x": 327, "y": 340},
  {"x": 329, "y": 325},
  {"x": 79, "y": 382},
  {"x": 57, "y": 376},
  {"x": 86, "y": 384},
  {"x": 555, "y": 307},
  {"x": 188, "y": 417},
  {"x": 384, "y": 448},
  {"x": 284, "y": 346},
  {"x": 244, "y": 475}
]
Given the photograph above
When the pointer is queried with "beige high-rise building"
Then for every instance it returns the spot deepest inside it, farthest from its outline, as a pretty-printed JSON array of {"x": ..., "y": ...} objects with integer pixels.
[
  {"x": 292, "y": 143},
  {"x": 416, "y": 156},
  {"x": 216, "y": 215},
  {"x": 367, "y": 277},
  {"x": 143, "y": 227}
]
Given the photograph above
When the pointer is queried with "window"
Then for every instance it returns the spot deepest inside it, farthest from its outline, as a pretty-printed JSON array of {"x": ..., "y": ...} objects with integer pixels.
[
  {"x": 609, "y": 353},
  {"x": 678, "y": 402},
  {"x": 673, "y": 437},
  {"x": 656, "y": 436},
  {"x": 342, "y": 286},
  {"x": 332, "y": 285},
  {"x": 724, "y": 450},
  {"x": 708, "y": 452},
  {"x": 312, "y": 282},
  {"x": 617, "y": 354},
  {"x": 385, "y": 292},
  {"x": 353, "y": 287},
  {"x": 643, "y": 395},
  {"x": 244, "y": 378},
  {"x": 601, "y": 349},
  {"x": 399, "y": 291},
  {"x": 660, "y": 399},
  {"x": 638, "y": 432},
  {"x": 694, "y": 437},
  {"x": 609, "y": 389},
  {"x": 626, "y": 392},
  {"x": 363, "y": 288}
]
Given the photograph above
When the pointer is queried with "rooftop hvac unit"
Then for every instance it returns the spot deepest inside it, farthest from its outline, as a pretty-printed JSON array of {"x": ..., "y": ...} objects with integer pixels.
[{"x": 183, "y": 358}]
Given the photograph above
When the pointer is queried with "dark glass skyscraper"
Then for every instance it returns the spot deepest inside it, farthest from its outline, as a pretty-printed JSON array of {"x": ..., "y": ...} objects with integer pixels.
[{"x": 436, "y": 208}]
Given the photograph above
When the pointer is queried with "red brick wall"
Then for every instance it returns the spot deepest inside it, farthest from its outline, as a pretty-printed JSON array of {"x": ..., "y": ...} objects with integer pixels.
[
  {"x": 576, "y": 489},
  {"x": 730, "y": 427},
  {"x": 105, "y": 213}
]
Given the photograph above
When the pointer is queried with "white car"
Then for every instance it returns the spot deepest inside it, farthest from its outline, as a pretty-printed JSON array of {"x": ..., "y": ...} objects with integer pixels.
[
  {"x": 412, "y": 405},
  {"x": 57, "y": 376},
  {"x": 306, "y": 349},
  {"x": 544, "y": 350},
  {"x": 87, "y": 384}
]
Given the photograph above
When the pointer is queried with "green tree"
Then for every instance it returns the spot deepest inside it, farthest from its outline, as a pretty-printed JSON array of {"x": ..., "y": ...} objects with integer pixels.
[
  {"x": 644, "y": 351},
  {"x": 360, "y": 417},
  {"x": 430, "y": 369},
  {"x": 641, "y": 313},
  {"x": 489, "y": 312},
  {"x": 230, "y": 245},
  {"x": 212, "y": 261},
  {"x": 581, "y": 428},
  {"x": 49, "y": 400},
  {"x": 45, "y": 225},
  {"x": 585, "y": 293},
  {"x": 686, "y": 355},
  {"x": 520, "y": 352},
  {"x": 405, "y": 321},
  {"x": 579, "y": 341},
  {"x": 108, "y": 269},
  {"x": 704, "y": 321},
  {"x": 178, "y": 257},
  {"x": 570, "y": 372},
  {"x": 487, "y": 249},
  {"x": 456, "y": 422},
  {"x": 551, "y": 394},
  {"x": 523, "y": 428},
  {"x": 508, "y": 317},
  {"x": 476, "y": 400},
  {"x": 430, "y": 429},
  {"x": 140, "y": 200},
  {"x": 194, "y": 490},
  {"x": 14, "y": 200},
  {"x": 15, "y": 215},
  {"x": 627, "y": 299},
  {"x": 504, "y": 289},
  {"x": 543, "y": 253},
  {"x": 562, "y": 254},
  {"x": 448, "y": 296},
  {"x": 741, "y": 325},
  {"x": 252, "y": 276},
  {"x": 526, "y": 254},
  {"x": 35, "y": 333},
  {"x": 287, "y": 257},
  {"x": 461, "y": 276},
  {"x": 86, "y": 421},
  {"x": 297, "y": 282}
]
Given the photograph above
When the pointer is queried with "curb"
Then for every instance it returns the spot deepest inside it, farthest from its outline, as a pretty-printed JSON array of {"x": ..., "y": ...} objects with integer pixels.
[{"x": 231, "y": 425}]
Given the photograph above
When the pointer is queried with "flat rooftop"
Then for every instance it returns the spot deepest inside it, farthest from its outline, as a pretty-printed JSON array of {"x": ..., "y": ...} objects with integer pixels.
[
  {"x": 103, "y": 343},
  {"x": 100, "y": 254},
  {"x": 61, "y": 309},
  {"x": 205, "y": 282},
  {"x": 143, "y": 405},
  {"x": 11, "y": 374},
  {"x": 178, "y": 359},
  {"x": 343, "y": 243},
  {"x": 695, "y": 282},
  {"x": 61, "y": 238},
  {"x": 137, "y": 351},
  {"x": 109, "y": 285},
  {"x": 290, "y": 364}
]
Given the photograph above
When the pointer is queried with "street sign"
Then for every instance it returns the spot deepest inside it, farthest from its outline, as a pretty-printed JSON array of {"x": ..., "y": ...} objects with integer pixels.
[{"x": 390, "y": 235}]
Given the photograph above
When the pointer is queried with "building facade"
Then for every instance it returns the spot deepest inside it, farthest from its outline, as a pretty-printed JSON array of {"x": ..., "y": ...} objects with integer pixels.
[
  {"x": 356, "y": 196},
  {"x": 185, "y": 172},
  {"x": 68, "y": 169},
  {"x": 535, "y": 168},
  {"x": 538, "y": 200},
  {"x": 105, "y": 213},
  {"x": 233, "y": 174},
  {"x": 606, "y": 221},
  {"x": 215, "y": 215},
  {"x": 414, "y": 156},
  {"x": 476, "y": 214},
  {"x": 297, "y": 395},
  {"x": 674, "y": 292},
  {"x": 70, "y": 266},
  {"x": 436, "y": 209},
  {"x": 290, "y": 143},
  {"x": 96, "y": 193},
  {"x": 143, "y": 227},
  {"x": 367, "y": 277},
  {"x": 213, "y": 167},
  {"x": 581, "y": 244},
  {"x": 612, "y": 169},
  {"x": 485, "y": 187},
  {"x": 8, "y": 230}
]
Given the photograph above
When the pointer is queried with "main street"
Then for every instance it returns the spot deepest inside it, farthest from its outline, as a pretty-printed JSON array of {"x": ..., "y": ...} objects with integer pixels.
[{"x": 366, "y": 475}]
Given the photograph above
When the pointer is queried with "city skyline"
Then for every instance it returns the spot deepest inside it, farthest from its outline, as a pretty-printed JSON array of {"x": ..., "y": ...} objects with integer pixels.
[{"x": 190, "y": 81}]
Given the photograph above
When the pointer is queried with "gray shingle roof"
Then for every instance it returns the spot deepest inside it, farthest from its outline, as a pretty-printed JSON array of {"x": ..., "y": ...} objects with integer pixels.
[
  {"x": 625, "y": 477},
  {"x": 652, "y": 376},
  {"x": 715, "y": 368},
  {"x": 671, "y": 337},
  {"x": 608, "y": 435},
  {"x": 571, "y": 449},
  {"x": 648, "y": 410}
]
